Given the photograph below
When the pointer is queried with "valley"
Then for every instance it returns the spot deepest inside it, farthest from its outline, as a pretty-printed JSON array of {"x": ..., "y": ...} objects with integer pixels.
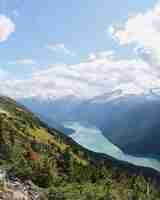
[
  {"x": 129, "y": 121},
  {"x": 79, "y": 100},
  {"x": 58, "y": 168},
  {"x": 92, "y": 138}
]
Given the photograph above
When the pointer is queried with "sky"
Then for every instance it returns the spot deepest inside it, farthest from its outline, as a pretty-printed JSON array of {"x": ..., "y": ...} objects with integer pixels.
[{"x": 82, "y": 48}]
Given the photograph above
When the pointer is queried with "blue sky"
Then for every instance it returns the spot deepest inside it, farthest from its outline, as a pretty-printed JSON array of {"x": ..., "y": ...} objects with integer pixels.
[
  {"x": 76, "y": 34},
  {"x": 80, "y": 25}
]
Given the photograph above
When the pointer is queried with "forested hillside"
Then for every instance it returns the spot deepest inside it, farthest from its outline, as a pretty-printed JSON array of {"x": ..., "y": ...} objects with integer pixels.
[{"x": 60, "y": 168}]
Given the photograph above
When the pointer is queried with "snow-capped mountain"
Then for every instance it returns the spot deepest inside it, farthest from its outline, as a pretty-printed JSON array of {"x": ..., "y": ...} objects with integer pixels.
[{"x": 130, "y": 121}]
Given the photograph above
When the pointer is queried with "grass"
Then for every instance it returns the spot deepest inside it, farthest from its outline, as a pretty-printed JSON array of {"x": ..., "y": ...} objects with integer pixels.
[
  {"x": 79, "y": 160},
  {"x": 41, "y": 135}
]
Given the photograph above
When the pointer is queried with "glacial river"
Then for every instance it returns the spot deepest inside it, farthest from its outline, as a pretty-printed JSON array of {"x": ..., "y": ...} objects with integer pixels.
[{"x": 92, "y": 138}]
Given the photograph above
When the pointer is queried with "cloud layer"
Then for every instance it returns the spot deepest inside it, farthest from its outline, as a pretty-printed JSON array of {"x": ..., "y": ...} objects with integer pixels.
[
  {"x": 6, "y": 28},
  {"x": 102, "y": 71},
  {"x": 23, "y": 61},
  {"x": 60, "y": 48},
  {"x": 85, "y": 80},
  {"x": 143, "y": 31}
]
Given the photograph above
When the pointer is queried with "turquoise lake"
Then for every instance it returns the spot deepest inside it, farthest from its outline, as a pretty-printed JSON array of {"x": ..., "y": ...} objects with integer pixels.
[{"x": 92, "y": 138}]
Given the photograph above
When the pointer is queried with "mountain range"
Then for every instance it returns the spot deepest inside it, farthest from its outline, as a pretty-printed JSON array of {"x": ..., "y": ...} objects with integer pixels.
[{"x": 130, "y": 121}]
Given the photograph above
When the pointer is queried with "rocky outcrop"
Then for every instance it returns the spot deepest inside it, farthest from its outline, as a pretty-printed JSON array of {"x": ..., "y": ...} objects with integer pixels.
[{"x": 12, "y": 188}]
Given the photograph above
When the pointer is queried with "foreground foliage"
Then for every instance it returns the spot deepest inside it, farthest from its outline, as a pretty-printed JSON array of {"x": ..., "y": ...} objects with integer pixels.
[{"x": 61, "y": 169}]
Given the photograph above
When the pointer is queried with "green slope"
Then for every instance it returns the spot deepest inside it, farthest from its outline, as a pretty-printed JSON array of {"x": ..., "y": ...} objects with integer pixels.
[{"x": 62, "y": 169}]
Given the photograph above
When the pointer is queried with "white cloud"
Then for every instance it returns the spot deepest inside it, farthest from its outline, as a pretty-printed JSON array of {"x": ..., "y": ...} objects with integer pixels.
[
  {"x": 142, "y": 30},
  {"x": 92, "y": 56},
  {"x": 102, "y": 71},
  {"x": 102, "y": 54},
  {"x": 85, "y": 80},
  {"x": 24, "y": 61},
  {"x": 111, "y": 30},
  {"x": 60, "y": 47},
  {"x": 6, "y": 28}
]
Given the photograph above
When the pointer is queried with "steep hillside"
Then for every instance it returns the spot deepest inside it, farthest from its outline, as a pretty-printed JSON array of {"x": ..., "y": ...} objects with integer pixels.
[{"x": 61, "y": 169}]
